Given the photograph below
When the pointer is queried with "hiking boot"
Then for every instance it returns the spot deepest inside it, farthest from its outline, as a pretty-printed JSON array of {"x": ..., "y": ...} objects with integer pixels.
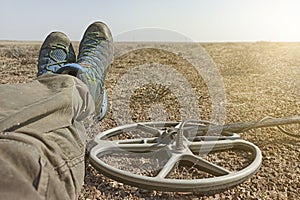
[
  {"x": 94, "y": 58},
  {"x": 55, "y": 52}
]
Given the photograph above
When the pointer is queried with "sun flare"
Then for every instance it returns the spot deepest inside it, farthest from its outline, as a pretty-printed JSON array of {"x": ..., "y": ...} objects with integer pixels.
[{"x": 281, "y": 18}]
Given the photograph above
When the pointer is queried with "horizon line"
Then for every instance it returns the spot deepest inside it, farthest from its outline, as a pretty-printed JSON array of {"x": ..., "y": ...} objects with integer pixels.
[{"x": 171, "y": 41}]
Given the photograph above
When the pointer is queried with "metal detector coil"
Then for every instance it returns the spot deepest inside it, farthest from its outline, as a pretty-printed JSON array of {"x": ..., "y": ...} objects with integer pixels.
[{"x": 175, "y": 156}]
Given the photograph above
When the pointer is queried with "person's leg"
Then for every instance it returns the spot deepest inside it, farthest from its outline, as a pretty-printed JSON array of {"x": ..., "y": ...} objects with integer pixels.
[{"x": 42, "y": 141}]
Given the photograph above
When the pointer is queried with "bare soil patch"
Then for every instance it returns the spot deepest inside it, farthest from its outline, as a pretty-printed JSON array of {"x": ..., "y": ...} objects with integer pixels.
[{"x": 261, "y": 79}]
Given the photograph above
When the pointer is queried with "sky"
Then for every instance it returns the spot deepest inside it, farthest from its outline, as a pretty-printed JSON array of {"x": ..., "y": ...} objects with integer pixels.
[{"x": 151, "y": 20}]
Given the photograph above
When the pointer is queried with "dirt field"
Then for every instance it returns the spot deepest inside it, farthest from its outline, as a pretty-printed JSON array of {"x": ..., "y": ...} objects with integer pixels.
[{"x": 260, "y": 79}]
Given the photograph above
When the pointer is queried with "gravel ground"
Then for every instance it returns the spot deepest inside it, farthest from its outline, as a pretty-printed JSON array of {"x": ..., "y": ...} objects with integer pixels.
[{"x": 259, "y": 79}]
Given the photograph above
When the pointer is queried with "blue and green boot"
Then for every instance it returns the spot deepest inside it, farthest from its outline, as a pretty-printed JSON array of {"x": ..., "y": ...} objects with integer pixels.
[
  {"x": 55, "y": 52},
  {"x": 93, "y": 61}
]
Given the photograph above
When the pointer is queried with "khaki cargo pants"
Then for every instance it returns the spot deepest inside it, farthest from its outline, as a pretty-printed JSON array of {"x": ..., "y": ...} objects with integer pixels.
[{"x": 42, "y": 138}]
